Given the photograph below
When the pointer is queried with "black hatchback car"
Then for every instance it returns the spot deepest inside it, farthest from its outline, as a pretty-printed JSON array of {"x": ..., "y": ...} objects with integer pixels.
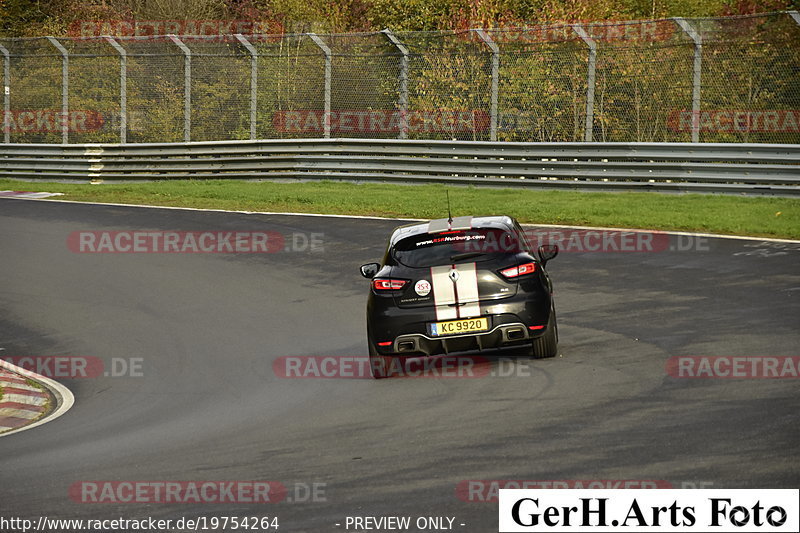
[{"x": 459, "y": 284}]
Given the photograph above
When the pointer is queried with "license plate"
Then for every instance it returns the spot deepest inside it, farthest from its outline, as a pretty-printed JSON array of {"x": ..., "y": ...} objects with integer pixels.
[{"x": 454, "y": 327}]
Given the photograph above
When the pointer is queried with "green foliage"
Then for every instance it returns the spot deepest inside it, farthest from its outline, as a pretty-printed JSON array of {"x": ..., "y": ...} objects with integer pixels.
[
  {"x": 15, "y": 15},
  {"x": 414, "y": 15},
  {"x": 43, "y": 17},
  {"x": 542, "y": 81}
]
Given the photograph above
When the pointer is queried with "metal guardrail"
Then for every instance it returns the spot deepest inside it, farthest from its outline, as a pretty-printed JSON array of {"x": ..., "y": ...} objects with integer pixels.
[{"x": 680, "y": 167}]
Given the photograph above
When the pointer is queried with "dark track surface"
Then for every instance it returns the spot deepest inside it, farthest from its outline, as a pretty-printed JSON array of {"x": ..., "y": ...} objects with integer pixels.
[{"x": 209, "y": 406}]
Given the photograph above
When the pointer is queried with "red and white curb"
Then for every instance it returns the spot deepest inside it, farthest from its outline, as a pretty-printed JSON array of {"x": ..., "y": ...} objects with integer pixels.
[{"x": 23, "y": 405}]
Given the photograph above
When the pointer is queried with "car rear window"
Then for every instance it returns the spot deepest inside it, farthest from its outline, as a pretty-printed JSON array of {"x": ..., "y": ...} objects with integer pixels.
[{"x": 434, "y": 249}]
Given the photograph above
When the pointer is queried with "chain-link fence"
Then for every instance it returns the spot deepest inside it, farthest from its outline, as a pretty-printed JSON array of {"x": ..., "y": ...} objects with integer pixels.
[{"x": 734, "y": 79}]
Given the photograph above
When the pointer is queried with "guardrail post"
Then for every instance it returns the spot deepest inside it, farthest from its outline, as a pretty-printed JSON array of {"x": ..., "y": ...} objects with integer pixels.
[
  {"x": 402, "y": 78},
  {"x": 495, "y": 82},
  {"x": 591, "y": 69},
  {"x": 6, "y": 94},
  {"x": 64, "y": 89},
  {"x": 187, "y": 87},
  {"x": 326, "y": 120},
  {"x": 253, "y": 82},
  {"x": 697, "y": 70},
  {"x": 123, "y": 88}
]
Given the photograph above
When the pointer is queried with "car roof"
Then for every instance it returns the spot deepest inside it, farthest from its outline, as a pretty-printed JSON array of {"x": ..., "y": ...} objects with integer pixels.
[{"x": 502, "y": 222}]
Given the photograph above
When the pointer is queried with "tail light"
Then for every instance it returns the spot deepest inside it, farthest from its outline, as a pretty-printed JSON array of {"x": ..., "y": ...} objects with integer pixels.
[
  {"x": 519, "y": 270},
  {"x": 388, "y": 284}
]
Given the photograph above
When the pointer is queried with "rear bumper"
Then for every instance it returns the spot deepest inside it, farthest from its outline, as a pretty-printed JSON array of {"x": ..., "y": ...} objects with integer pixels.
[
  {"x": 501, "y": 335},
  {"x": 407, "y": 329}
]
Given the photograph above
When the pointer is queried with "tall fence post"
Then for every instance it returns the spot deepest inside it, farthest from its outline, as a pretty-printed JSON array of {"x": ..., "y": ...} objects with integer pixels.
[
  {"x": 123, "y": 88},
  {"x": 327, "y": 113},
  {"x": 253, "y": 82},
  {"x": 591, "y": 75},
  {"x": 6, "y": 94},
  {"x": 495, "y": 82},
  {"x": 187, "y": 87},
  {"x": 402, "y": 78},
  {"x": 64, "y": 89},
  {"x": 697, "y": 70}
]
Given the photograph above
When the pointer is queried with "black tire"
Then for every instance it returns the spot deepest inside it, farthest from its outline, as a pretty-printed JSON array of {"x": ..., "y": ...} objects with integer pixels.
[
  {"x": 379, "y": 365},
  {"x": 547, "y": 344}
]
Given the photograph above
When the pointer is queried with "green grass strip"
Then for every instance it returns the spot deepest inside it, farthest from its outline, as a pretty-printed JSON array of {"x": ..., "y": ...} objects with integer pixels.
[{"x": 726, "y": 214}]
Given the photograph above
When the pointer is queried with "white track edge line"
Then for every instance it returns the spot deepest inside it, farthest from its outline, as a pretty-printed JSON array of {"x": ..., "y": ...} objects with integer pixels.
[
  {"x": 365, "y": 217},
  {"x": 63, "y": 396}
]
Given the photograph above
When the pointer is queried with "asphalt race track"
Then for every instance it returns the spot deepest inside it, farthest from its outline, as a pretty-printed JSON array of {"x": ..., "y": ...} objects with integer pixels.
[{"x": 205, "y": 404}]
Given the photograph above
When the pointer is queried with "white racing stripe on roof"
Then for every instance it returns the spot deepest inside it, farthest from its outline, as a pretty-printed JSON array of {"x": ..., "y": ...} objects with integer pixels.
[
  {"x": 444, "y": 224},
  {"x": 438, "y": 225},
  {"x": 461, "y": 223}
]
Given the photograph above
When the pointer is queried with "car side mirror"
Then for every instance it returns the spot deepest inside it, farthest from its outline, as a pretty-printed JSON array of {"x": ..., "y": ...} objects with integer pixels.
[
  {"x": 547, "y": 252},
  {"x": 369, "y": 270}
]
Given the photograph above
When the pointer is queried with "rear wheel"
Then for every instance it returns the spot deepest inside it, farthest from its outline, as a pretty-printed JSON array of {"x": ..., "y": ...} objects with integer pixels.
[
  {"x": 547, "y": 344},
  {"x": 379, "y": 365}
]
